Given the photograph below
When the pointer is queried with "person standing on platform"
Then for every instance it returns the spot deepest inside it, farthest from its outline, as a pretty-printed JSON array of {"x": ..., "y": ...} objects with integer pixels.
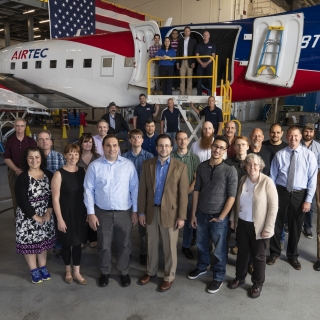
[
  {"x": 137, "y": 155},
  {"x": 230, "y": 132},
  {"x": 191, "y": 161},
  {"x": 202, "y": 147},
  {"x": 166, "y": 67},
  {"x": 275, "y": 142},
  {"x": 186, "y": 48},
  {"x": 143, "y": 112},
  {"x": 213, "y": 197},
  {"x": 15, "y": 147},
  {"x": 153, "y": 50},
  {"x": 110, "y": 196},
  {"x": 170, "y": 121},
  {"x": 67, "y": 198},
  {"x": 174, "y": 45},
  {"x": 117, "y": 122},
  {"x": 309, "y": 142},
  {"x": 205, "y": 64},
  {"x": 149, "y": 139},
  {"x": 163, "y": 201},
  {"x": 294, "y": 170},
  {"x": 258, "y": 148},
  {"x": 55, "y": 160},
  {"x": 211, "y": 113}
]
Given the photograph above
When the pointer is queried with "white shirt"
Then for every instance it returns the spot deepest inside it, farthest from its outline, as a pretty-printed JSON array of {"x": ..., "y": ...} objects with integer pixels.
[
  {"x": 246, "y": 197},
  {"x": 185, "y": 51},
  {"x": 98, "y": 141},
  {"x": 203, "y": 154}
]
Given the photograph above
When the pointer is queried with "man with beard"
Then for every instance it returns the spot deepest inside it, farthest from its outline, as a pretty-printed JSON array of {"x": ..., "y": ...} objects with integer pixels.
[
  {"x": 258, "y": 148},
  {"x": 117, "y": 122},
  {"x": 308, "y": 142},
  {"x": 149, "y": 139},
  {"x": 275, "y": 142},
  {"x": 202, "y": 147},
  {"x": 230, "y": 132},
  {"x": 212, "y": 202},
  {"x": 163, "y": 201}
]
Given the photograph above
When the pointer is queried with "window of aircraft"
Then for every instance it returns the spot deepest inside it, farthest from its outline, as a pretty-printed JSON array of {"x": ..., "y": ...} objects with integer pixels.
[
  {"x": 53, "y": 64},
  {"x": 13, "y": 65},
  {"x": 38, "y": 64},
  {"x": 69, "y": 63},
  {"x": 87, "y": 63},
  {"x": 25, "y": 65},
  {"x": 107, "y": 63},
  {"x": 129, "y": 62}
]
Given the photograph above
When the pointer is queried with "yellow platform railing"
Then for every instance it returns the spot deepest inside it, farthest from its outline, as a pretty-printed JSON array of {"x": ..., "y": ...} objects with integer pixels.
[{"x": 213, "y": 77}]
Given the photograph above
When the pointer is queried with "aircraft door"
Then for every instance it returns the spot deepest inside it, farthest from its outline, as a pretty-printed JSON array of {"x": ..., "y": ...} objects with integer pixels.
[
  {"x": 142, "y": 34},
  {"x": 275, "y": 51}
]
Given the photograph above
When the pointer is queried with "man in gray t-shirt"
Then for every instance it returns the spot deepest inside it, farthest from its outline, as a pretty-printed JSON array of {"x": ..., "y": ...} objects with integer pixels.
[{"x": 214, "y": 194}]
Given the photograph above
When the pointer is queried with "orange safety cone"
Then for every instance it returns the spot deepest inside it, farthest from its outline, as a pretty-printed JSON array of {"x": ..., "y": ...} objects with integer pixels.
[
  {"x": 81, "y": 131},
  {"x": 64, "y": 132},
  {"x": 45, "y": 127},
  {"x": 28, "y": 132}
]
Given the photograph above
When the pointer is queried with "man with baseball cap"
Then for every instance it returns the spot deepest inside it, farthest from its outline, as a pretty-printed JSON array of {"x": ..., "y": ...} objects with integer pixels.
[
  {"x": 309, "y": 142},
  {"x": 118, "y": 123}
]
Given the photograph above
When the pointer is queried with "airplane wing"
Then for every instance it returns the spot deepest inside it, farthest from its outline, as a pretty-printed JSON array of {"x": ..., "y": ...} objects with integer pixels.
[{"x": 23, "y": 92}]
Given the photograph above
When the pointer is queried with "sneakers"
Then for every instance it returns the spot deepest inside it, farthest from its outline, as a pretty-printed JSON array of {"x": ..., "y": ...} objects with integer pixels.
[
  {"x": 36, "y": 276},
  {"x": 44, "y": 273},
  {"x": 196, "y": 273},
  {"x": 214, "y": 286},
  {"x": 307, "y": 233}
]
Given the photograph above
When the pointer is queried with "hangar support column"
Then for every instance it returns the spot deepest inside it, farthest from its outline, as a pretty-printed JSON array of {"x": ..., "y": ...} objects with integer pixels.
[
  {"x": 30, "y": 29},
  {"x": 7, "y": 33}
]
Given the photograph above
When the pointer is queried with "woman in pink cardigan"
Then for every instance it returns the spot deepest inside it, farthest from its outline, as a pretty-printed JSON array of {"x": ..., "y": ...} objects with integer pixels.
[{"x": 253, "y": 217}]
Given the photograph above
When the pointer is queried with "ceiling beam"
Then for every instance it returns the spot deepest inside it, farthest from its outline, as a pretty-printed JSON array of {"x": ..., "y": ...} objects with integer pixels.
[{"x": 32, "y": 3}]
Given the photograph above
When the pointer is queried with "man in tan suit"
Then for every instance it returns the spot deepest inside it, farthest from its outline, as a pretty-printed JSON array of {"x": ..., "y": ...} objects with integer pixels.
[{"x": 162, "y": 206}]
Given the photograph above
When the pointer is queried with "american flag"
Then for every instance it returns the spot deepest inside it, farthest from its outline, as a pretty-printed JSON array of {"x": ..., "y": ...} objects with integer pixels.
[{"x": 80, "y": 17}]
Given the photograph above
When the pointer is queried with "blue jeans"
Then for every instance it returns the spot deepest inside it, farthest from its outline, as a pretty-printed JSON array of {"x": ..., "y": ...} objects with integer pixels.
[
  {"x": 309, "y": 215},
  {"x": 172, "y": 135},
  {"x": 218, "y": 233},
  {"x": 204, "y": 72},
  {"x": 187, "y": 229}
]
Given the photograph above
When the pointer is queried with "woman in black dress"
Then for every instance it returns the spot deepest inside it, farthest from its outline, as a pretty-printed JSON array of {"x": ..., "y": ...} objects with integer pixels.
[
  {"x": 67, "y": 197},
  {"x": 88, "y": 153},
  {"x": 35, "y": 231}
]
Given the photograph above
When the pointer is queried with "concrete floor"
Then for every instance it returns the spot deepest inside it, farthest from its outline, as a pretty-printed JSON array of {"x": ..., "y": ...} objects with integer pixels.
[{"x": 287, "y": 293}]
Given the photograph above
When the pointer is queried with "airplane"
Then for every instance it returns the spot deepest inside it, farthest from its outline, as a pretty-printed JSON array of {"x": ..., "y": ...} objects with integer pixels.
[{"x": 90, "y": 71}]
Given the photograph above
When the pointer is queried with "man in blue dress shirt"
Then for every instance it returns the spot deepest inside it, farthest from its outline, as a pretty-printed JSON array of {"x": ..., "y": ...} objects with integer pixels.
[
  {"x": 149, "y": 139},
  {"x": 110, "y": 196},
  {"x": 294, "y": 170},
  {"x": 137, "y": 155}
]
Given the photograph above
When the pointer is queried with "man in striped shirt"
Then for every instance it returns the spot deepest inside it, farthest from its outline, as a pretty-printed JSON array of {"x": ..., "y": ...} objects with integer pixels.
[{"x": 152, "y": 53}]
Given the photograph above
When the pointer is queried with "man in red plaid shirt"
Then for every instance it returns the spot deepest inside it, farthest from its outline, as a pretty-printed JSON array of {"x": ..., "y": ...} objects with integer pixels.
[{"x": 152, "y": 53}]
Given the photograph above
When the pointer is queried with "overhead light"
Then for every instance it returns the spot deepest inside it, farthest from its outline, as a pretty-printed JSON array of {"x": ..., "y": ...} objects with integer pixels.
[
  {"x": 38, "y": 36},
  {"x": 35, "y": 29},
  {"x": 1, "y": 29},
  {"x": 26, "y": 12},
  {"x": 43, "y": 21}
]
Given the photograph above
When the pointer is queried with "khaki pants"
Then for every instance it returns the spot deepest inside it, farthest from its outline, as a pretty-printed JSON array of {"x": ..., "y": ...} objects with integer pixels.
[
  {"x": 318, "y": 233},
  {"x": 185, "y": 70},
  {"x": 169, "y": 238},
  {"x": 12, "y": 177}
]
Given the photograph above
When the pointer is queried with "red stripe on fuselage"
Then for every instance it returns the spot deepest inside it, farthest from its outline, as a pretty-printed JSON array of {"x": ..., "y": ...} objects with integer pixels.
[
  {"x": 244, "y": 90},
  {"x": 117, "y": 42},
  {"x": 3, "y": 87}
]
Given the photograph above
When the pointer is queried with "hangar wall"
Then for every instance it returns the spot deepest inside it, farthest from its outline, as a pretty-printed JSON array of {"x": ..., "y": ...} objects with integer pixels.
[{"x": 198, "y": 11}]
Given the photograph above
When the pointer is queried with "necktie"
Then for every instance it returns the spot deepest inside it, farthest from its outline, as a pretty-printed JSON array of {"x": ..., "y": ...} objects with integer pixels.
[{"x": 291, "y": 173}]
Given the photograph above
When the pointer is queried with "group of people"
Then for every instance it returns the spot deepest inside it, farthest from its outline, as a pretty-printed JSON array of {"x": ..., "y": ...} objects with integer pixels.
[
  {"x": 168, "y": 66},
  {"x": 221, "y": 183}
]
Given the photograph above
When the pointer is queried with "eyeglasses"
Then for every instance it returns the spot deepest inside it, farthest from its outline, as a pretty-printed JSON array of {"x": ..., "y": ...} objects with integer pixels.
[
  {"x": 164, "y": 146},
  {"x": 255, "y": 165},
  {"x": 136, "y": 137},
  {"x": 216, "y": 147}
]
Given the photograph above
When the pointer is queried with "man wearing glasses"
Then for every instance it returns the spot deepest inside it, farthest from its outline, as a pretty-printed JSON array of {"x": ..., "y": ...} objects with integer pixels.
[
  {"x": 137, "y": 155},
  {"x": 162, "y": 207},
  {"x": 15, "y": 147},
  {"x": 213, "y": 196}
]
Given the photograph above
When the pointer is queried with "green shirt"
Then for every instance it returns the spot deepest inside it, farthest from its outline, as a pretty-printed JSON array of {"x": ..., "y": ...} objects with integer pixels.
[{"x": 191, "y": 160}]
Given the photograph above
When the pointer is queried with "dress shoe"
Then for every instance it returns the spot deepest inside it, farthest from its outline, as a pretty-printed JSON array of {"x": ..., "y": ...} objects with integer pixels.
[
  {"x": 271, "y": 260},
  {"x": 187, "y": 252},
  {"x": 255, "y": 291},
  {"x": 250, "y": 269},
  {"x": 165, "y": 286},
  {"x": 295, "y": 263},
  {"x": 82, "y": 282},
  {"x": 234, "y": 250},
  {"x": 125, "y": 280},
  {"x": 316, "y": 266},
  {"x": 235, "y": 283},
  {"x": 145, "y": 279},
  {"x": 104, "y": 280},
  {"x": 143, "y": 259},
  {"x": 93, "y": 244}
]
